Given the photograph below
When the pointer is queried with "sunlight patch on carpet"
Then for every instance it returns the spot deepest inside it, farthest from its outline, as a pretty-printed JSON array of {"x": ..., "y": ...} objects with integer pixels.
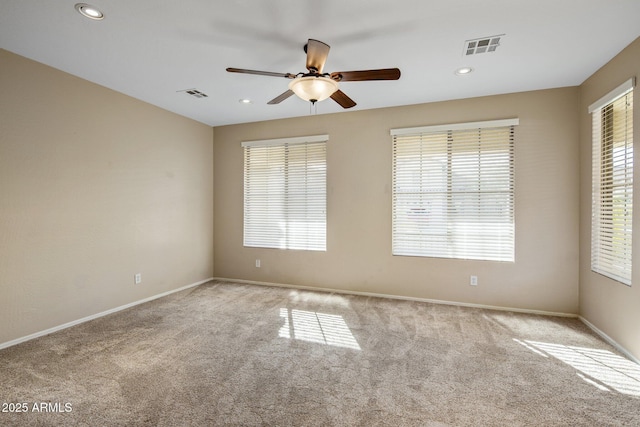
[
  {"x": 319, "y": 298},
  {"x": 601, "y": 368},
  {"x": 322, "y": 328}
]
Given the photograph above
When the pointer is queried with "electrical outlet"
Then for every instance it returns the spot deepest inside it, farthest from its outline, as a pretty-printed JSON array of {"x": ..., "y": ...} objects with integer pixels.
[
  {"x": 473, "y": 281},
  {"x": 137, "y": 279},
  {"x": 258, "y": 263}
]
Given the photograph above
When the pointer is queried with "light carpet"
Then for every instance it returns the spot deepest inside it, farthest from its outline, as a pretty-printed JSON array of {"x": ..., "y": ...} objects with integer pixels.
[{"x": 233, "y": 354}]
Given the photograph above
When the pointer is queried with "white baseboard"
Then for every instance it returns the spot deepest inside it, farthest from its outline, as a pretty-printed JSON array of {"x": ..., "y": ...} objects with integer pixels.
[
  {"x": 610, "y": 340},
  {"x": 398, "y": 297},
  {"x": 95, "y": 316}
]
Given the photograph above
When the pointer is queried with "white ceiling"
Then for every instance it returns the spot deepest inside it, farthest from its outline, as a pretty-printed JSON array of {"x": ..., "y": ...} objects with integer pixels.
[{"x": 152, "y": 49}]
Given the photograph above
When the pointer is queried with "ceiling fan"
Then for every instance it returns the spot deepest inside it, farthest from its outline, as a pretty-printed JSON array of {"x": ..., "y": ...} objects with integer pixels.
[{"x": 315, "y": 85}]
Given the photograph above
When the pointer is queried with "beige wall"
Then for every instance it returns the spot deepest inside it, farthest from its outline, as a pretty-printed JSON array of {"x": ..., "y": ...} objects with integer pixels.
[
  {"x": 611, "y": 306},
  {"x": 358, "y": 257},
  {"x": 94, "y": 187}
]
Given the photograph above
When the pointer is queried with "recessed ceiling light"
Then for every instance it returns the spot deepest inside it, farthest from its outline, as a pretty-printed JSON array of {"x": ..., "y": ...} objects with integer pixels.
[
  {"x": 89, "y": 11},
  {"x": 244, "y": 101},
  {"x": 464, "y": 70}
]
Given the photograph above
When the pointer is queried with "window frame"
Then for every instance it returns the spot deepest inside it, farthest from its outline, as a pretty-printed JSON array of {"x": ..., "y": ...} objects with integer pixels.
[
  {"x": 454, "y": 245},
  {"x": 612, "y": 235},
  {"x": 291, "y": 192}
]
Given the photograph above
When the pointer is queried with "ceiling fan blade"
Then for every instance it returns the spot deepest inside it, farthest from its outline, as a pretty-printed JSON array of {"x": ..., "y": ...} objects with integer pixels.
[
  {"x": 278, "y": 99},
  {"x": 261, "y": 73},
  {"x": 363, "y": 75},
  {"x": 341, "y": 98},
  {"x": 317, "y": 53}
]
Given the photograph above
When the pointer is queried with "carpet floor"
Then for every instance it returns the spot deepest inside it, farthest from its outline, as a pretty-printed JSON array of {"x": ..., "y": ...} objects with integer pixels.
[{"x": 233, "y": 354}]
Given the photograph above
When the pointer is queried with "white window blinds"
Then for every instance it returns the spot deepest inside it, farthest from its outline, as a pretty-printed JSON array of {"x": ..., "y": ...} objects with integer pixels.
[
  {"x": 453, "y": 191},
  {"x": 612, "y": 184},
  {"x": 285, "y": 193}
]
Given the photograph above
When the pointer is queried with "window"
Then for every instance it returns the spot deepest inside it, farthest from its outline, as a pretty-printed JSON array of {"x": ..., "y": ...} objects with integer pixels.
[
  {"x": 453, "y": 191},
  {"x": 612, "y": 183},
  {"x": 285, "y": 193}
]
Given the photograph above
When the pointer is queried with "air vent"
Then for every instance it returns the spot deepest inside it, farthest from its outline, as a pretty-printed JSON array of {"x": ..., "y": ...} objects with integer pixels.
[
  {"x": 482, "y": 45},
  {"x": 195, "y": 93}
]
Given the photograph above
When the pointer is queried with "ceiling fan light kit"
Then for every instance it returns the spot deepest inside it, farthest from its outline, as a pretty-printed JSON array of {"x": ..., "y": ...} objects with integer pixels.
[
  {"x": 313, "y": 88},
  {"x": 316, "y": 86}
]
